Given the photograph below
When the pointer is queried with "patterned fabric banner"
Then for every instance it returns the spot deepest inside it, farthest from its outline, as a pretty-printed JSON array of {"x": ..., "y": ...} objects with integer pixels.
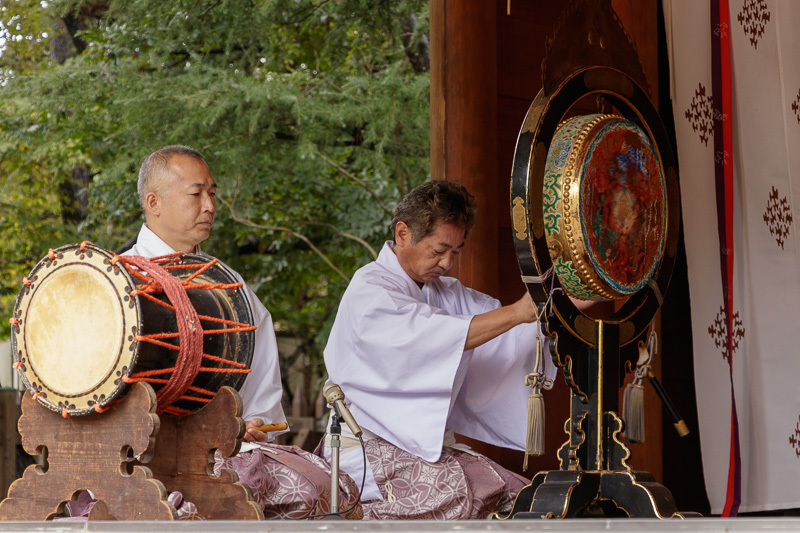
[{"x": 747, "y": 344}]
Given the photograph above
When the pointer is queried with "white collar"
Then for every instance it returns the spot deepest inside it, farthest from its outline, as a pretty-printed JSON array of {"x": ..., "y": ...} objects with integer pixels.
[
  {"x": 151, "y": 245},
  {"x": 388, "y": 260}
]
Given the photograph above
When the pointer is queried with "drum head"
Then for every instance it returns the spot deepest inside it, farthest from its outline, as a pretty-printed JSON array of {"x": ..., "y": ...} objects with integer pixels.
[
  {"x": 604, "y": 207},
  {"x": 75, "y": 326}
]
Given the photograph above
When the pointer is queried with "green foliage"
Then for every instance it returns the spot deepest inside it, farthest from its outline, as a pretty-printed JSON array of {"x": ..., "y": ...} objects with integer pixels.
[{"x": 309, "y": 113}]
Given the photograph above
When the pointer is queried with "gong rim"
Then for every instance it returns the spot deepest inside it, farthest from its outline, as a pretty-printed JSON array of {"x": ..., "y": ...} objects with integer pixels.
[{"x": 533, "y": 143}]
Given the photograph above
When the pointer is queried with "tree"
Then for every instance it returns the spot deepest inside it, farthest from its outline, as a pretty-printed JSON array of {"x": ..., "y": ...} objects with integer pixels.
[{"x": 313, "y": 116}]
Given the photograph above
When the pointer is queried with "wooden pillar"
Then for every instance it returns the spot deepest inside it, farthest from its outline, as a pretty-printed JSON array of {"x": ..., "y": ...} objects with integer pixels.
[
  {"x": 464, "y": 124},
  {"x": 9, "y": 439}
]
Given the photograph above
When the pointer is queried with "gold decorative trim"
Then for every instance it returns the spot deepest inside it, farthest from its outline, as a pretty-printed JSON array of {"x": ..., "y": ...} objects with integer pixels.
[{"x": 518, "y": 216}]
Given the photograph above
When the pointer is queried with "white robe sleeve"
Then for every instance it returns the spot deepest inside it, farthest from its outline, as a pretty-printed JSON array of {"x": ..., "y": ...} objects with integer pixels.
[
  {"x": 492, "y": 401},
  {"x": 262, "y": 390},
  {"x": 492, "y": 405}
]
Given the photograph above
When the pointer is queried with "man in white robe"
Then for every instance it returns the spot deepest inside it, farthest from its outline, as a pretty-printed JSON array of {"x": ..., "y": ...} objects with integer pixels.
[
  {"x": 177, "y": 195},
  {"x": 419, "y": 357}
]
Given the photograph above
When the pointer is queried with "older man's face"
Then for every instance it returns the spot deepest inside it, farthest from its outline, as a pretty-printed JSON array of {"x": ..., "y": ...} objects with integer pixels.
[
  {"x": 431, "y": 257},
  {"x": 187, "y": 204}
]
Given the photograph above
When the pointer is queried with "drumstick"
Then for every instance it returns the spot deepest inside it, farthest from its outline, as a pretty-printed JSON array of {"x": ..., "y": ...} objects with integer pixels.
[
  {"x": 266, "y": 428},
  {"x": 677, "y": 420}
]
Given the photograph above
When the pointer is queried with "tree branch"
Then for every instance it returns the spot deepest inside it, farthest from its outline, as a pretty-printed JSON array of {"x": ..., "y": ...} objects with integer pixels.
[
  {"x": 346, "y": 235},
  {"x": 269, "y": 227},
  {"x": 360, "y": 182}
]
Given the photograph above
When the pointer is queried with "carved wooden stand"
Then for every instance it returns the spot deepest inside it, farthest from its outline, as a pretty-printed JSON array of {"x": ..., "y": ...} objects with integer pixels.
[{"x": 98, "y": 452}]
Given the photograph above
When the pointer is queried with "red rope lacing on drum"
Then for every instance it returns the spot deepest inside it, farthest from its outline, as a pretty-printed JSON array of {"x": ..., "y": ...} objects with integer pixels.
[{"x": 190, "y": 332}]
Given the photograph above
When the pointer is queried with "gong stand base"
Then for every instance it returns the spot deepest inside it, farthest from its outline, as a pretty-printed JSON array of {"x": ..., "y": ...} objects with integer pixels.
[
  {"x": 98, "y": 452},
  {"x": 595, "y": 478},
  {"x": 581, "y": 494}
]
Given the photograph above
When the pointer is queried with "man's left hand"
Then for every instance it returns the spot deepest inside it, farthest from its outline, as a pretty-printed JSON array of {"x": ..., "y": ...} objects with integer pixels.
[{"x": 252, "y": 434}]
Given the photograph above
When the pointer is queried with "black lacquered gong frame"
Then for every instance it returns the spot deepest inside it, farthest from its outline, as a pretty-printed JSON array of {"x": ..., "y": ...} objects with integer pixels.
[
  {"x": 594, "y": 475},
  {"x": 527, "y": 178}
]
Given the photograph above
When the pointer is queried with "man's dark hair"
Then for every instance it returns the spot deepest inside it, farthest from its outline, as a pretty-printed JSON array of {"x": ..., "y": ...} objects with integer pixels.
[
  {"x": 155, "y": 163},
  {"x": 434, "y": 203}
]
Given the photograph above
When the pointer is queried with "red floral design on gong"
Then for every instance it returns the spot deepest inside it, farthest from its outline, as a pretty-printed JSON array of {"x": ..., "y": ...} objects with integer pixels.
[
  {"x": 622, "y": 206},
  {"x": 796, "y": 106},
  {"x": 754, "y": 17},
  {"x": 719, "y": 332},
  {"x": 778, "y": 217},
  {"x": 794, "y": 438},
  {"x": 700, "y": 114}
]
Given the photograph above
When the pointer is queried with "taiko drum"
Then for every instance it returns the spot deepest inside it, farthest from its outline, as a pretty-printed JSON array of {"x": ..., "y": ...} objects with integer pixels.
[{"x": 87, "y": 323}]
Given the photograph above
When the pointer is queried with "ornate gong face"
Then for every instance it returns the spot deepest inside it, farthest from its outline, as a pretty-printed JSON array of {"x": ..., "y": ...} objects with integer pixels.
[
  {"x": 604, "y": 207},
  {"x": 595, "y": 204}
]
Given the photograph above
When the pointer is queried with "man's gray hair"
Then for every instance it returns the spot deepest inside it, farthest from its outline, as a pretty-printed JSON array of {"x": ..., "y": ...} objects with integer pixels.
[
  {"x": 434, "y": 203},
  {"x": 156, "y": 163}
]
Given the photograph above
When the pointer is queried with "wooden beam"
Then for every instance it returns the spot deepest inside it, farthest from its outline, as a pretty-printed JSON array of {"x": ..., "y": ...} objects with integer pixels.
[{"x": 464, "y": 124}]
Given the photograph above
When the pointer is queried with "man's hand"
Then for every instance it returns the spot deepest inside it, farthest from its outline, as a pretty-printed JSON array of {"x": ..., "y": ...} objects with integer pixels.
[
  {"x": 526, "y": 311},
  {"x": 252, "y": 434}
]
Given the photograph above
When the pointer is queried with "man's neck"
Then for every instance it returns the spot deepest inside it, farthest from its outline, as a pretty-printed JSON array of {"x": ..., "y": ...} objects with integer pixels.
[{"x": 185, "y": 248}]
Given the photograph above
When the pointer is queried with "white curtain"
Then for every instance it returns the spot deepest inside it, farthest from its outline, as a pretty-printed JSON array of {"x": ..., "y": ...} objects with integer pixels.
[{"x": 765, "y": 59}]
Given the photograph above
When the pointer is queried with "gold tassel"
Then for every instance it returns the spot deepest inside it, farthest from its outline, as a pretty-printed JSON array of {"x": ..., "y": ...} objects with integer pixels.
[
  {"x": 633, "y": 412},
  {"x": 534, "y": 444}
]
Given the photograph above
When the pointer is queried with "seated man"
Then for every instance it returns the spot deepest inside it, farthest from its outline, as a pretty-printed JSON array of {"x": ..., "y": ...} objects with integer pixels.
[
  {"x": 177, "y": 195},
  {"x": 419, "y": 357}
]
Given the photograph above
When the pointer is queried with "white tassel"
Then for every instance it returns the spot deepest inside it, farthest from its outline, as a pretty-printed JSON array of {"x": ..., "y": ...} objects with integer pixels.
[
  {"x": 633, "y": 412},
  {"x": 534, "y": 444}
]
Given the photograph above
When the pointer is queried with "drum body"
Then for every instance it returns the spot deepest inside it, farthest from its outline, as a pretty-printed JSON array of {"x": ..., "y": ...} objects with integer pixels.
[
  {"x": 77, "y": 329},
  {"x": 604, "y": 207}
]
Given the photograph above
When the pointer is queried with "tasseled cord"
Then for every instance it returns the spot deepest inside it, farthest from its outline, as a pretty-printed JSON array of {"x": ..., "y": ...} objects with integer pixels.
[
  {"x": 633, "y": 397},
  {"x": 534, "y": 443},
  {"x": 633, "y": 409}
]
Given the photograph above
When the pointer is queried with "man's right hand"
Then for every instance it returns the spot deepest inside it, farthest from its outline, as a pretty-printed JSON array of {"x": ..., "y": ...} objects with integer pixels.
[{"x": 525, "y": 309}]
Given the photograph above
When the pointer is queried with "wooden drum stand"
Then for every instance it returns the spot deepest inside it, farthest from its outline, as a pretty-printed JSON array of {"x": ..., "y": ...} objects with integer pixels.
[
  {"x": 99, "y": 452},
  {"x": 167, "y": 335}
]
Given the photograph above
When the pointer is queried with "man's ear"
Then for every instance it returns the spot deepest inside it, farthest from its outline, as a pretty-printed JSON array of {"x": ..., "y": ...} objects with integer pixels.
[
  {"x": 152, "y": 204},
  {"x": 402, "y": 234}
]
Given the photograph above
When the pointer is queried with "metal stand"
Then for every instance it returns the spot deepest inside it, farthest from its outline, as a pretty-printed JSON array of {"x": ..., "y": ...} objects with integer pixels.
[
  {"x": 594, "y": 479},
  {"x": 335, "y": 433}
]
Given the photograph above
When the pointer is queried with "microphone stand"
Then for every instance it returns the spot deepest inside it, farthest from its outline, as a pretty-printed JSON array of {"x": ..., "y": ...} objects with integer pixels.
[{"x": 335, "y": 433}]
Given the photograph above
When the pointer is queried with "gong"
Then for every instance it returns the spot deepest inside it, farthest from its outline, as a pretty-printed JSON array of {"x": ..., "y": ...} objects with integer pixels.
[{"x": 595, "y": 204}]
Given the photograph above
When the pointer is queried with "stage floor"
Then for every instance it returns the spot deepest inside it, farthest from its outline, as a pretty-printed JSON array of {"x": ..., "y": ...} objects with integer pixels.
[{"x": 734, "y": 525}]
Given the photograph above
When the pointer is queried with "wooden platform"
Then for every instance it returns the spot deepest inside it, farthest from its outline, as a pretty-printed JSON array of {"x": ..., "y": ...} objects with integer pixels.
[{"x": 701, "y": 525}]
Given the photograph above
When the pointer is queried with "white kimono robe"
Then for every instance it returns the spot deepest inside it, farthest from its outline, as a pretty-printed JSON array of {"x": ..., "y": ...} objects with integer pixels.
[
  {"x": 261, "y": 391},
  {"x": 397, "y": 352}
]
